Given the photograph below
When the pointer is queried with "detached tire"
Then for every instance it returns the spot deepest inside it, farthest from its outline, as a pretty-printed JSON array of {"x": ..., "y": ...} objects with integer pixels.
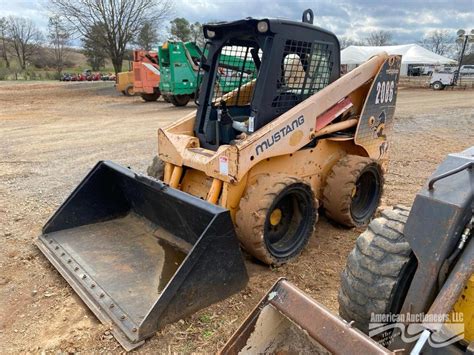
[
  {"x": 156, "y": 169},
  {"x": 353, "y": 190},
  {"x": 379, "y": 270},
  {"x": 276, "y": 218},
  {"x": 179, "y": 100}
]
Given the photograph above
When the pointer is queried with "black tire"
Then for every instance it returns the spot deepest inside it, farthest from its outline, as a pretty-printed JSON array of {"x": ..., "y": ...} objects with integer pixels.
[
  {"x": 353, "y": 190},
  {"x": 438, "y": 85},
  {"x": 180, "y": 100},
  {"x": 379, "y": 270},
  {"x": 129, "y": 91},
  {"x": 276, "y": 218},
  {"x": 151, "y": 97},
  {"x": 156, "y": 168}
]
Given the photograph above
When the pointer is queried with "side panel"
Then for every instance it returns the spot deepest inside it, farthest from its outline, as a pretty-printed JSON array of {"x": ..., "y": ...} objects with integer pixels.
[{"x": 377, "y": 117}]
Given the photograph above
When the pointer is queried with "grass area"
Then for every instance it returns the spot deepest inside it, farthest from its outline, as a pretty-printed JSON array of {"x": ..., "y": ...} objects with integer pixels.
[{"x": 32, "y": 73}]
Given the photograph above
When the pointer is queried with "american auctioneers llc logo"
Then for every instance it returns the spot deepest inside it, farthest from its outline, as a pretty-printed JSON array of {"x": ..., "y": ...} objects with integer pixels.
[{"x": 386, "y": 327}]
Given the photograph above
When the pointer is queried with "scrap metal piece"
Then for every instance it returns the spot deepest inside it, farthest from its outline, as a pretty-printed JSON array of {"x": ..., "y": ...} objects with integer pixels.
[{"x": 288, "y": 320}]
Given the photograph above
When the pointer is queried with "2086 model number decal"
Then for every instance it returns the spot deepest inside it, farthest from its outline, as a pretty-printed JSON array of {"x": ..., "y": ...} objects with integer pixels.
[{"x": 384, "y": 92}]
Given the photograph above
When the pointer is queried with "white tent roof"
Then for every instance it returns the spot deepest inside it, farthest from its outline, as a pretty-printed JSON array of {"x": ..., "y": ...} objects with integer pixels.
[{"x": 411, "y": 54}]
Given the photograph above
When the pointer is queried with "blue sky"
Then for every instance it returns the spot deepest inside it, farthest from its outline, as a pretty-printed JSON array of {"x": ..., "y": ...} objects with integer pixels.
[{"x": 407, "y": 20}]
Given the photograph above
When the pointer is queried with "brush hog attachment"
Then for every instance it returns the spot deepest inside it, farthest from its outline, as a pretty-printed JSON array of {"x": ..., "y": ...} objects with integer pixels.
[
  {"x": 141, "y": 254},
  {"x": 287, "y": 321}
]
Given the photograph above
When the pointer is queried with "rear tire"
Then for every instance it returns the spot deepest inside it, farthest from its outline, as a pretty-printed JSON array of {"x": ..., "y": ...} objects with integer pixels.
[
  {"x": 179, "y": 100},
  {"x": 379, "y": 270},
  {"x": 156, "y": 169},
  {"x": 129, "y": 91},
  {"x": 276, "y": 218},
  {"x": 438, "y": 85},
  {"x": 353, "y": 190},
  {"x": 151, "y": 97}
]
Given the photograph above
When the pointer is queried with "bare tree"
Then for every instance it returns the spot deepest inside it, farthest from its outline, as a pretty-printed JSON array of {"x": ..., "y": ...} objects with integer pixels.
[
  {"x": 25, "y": 38},
  {"x": 59, "y": 39},
  {"x": 120, "y": 19},
  {"x": 345, "y": 42},
  {"x": 438, "y": 41},
  {"x": 4, "y": 41},
  {"x": 379, "y": 38}
]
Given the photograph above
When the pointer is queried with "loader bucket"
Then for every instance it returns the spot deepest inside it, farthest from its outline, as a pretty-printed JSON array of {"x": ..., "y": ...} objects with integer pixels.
[
  {"x": 141, "y": 254},
  {"x": 287, "y": 321}
]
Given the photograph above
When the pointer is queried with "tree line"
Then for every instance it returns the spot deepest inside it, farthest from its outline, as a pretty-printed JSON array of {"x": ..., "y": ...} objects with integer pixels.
[{"x": 107, "y": 29}]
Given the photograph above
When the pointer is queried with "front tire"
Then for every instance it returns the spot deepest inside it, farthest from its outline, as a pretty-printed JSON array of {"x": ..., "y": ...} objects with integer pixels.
[
  {"x": 353, "y": 190},
  {"x": 129, "y": 91},
  {"x": 379, "y": 270},
  {"x": 438, "y": 85},
  {"x": 179, "y": 100},
  {"x": 151, "y": 97},
  {"x": 276, "y": 218}
]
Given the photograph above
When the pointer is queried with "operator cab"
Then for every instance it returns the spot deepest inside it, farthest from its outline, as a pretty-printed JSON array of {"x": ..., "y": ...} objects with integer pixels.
[{"x": 256, "y": 70}]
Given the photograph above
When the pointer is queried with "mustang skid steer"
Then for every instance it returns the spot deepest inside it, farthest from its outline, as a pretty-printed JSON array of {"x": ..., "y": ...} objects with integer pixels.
[{"x": 252, "y": 165}]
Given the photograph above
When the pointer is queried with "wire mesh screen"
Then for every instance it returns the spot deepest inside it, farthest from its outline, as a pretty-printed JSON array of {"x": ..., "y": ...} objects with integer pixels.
[
  {"x": 234, "y": 75},
  {"x": 305, "y": 69}
]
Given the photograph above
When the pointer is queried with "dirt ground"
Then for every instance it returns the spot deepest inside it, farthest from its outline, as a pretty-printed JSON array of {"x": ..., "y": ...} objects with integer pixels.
[{"x": 52, "y": 134}]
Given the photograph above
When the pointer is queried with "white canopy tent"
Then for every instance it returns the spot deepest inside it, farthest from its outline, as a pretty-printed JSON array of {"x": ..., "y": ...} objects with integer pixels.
[{"x": 411, "y": 54}]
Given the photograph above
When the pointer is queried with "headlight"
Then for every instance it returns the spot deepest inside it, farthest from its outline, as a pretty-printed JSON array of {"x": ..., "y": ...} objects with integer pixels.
[
  {"x": 262, "y": 26},
  {"x": 210, "y": 34}
]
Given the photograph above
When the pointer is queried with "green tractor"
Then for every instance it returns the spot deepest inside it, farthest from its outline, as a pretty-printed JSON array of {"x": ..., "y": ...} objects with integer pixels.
[{"x": 180, "y": 68}]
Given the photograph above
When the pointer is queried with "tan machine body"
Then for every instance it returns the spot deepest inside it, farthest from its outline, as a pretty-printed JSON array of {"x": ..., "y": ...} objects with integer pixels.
[{"x": 222, "y": 176}]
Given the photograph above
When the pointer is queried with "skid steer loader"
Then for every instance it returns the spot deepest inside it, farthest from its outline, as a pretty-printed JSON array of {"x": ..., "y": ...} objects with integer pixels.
[
  {"x": 408, "y": 283},
  {"x": 252, "y": 165}
]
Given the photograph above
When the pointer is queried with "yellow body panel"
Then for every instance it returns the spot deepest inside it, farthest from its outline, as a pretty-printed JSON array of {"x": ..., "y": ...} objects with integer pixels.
[
  {"x": 178, "y": 146},
  {"x": 200, "y": 171},
  {"x": 465, "y": 306},
  {"x": 311, "y": 165},
  {"x": 123, "y": 80}
]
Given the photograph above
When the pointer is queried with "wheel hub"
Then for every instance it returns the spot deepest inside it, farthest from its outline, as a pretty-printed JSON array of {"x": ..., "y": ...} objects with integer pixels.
[{"x": 275, "y": 217}]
